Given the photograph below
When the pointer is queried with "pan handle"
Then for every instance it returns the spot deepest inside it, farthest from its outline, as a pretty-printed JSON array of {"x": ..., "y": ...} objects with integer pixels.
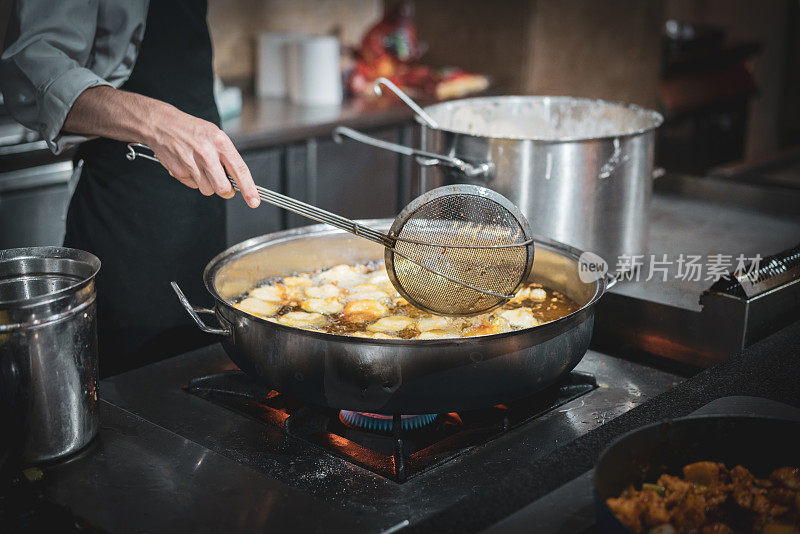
[
  {"x": 611, "y": 280},
  {"x": 194, "y": 313},
  {"x": 470, "y": 170}
]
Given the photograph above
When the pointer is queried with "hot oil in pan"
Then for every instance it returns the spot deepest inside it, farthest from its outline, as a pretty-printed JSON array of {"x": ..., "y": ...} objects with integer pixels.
[{"x": 541, "y": 303}]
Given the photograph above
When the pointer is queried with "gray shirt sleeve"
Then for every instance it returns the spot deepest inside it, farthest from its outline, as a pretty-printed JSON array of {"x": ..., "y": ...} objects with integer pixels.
[{"x": 56, "y": 50}]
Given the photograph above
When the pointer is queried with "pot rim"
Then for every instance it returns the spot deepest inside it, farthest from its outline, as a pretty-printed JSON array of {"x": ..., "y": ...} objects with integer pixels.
[
  {"x": 547, "y": 329},
  {"x": 49, "y": 252},
  {"x": 655, "y": 116}
]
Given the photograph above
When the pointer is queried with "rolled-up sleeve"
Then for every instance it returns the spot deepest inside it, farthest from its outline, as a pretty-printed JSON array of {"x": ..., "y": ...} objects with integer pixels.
[{"x": 48, "y": 61}]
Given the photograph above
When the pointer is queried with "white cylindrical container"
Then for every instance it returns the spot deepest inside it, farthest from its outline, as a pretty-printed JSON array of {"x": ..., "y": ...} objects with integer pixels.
[
  {"x": 313, "y": 73},
  {"x": 271, "y": 78}
]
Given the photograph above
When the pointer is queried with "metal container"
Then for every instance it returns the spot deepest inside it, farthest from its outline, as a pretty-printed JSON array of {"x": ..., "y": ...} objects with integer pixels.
[
  {"x": 580, "y": 170},
  {"x": 390, "y": 376},
  {"x": 48, "y": 349}
]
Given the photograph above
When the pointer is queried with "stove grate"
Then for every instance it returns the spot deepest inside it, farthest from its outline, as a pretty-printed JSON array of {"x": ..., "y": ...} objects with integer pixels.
[{"x": 395, "y": 449}]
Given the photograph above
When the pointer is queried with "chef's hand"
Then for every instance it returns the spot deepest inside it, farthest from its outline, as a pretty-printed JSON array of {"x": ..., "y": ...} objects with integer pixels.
[
  {"x": 200, "y": 155},
  {"x": 194, "y": 151}
]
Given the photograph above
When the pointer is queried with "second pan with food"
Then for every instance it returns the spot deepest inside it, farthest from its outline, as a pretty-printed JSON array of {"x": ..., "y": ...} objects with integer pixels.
[
  {"x": 676, "y": 463},
  {"x": 390, "y": 375}
]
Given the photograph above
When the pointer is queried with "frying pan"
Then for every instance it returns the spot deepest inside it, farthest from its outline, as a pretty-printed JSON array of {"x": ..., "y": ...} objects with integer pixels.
[
  {"x": 760, "y": 444},
  {"x": 389, "y": 376}
]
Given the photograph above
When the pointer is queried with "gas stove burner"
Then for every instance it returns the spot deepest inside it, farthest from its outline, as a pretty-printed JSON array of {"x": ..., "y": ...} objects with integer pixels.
[
  {"x": 373, "y": 441},
  {"x": 384, "y": 423}
]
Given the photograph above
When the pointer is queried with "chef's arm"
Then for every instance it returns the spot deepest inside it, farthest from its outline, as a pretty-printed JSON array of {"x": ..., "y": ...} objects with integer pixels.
[
  {"x": 194, "y": 151},
  {"x": 45, "y": 64},
  {"x": 52, "y": 67}
]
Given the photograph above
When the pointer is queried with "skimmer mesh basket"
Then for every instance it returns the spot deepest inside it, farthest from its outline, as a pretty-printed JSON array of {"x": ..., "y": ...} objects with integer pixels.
[{"x": 468, "y": 235}]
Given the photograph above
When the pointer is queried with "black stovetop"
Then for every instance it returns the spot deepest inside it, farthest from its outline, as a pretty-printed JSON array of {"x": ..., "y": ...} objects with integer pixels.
[
  {"x": 397, "y": 447},
  {"x": 284, "y": 475},
  {"x": 168, "y": 461}
]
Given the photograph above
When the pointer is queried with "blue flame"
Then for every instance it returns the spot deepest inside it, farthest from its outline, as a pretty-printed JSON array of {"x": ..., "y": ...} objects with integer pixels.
[{"x": 385, "y": 423}]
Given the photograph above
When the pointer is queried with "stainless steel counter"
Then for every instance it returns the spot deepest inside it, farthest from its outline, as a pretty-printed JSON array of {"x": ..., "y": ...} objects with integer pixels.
[
  {"x": 703, "y": 217},
  {"x": 268, "y": 121}
]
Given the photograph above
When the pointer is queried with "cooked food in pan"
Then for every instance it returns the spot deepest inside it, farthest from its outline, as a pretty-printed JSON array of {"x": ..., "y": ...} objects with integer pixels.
[
  {"x": 360, "y": 301},
  {"x": 709, "y": 498}
]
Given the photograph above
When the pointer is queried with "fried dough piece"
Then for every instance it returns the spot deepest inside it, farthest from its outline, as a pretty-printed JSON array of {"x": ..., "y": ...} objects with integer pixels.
[
  {"x": 435, "y": 322},
  {"x": 297, "y": 281},
  {"x": 520, "y": 318},
  {"x": 367, "y": 292},
  {"x": 436, "y": 334},
  {"x": 269, "y": 293},
  {"x": 364, "y": 311},
  {"x": 341, "y": 275},
  {"x": 534, "y": 293},
  {"x": 325, "y": 291},
  {"x": 327, "y": 306},
  {"x": 258, "y": 307},
  {"x": 299, "y": 319},
  {"x": 393, "y": 323}
]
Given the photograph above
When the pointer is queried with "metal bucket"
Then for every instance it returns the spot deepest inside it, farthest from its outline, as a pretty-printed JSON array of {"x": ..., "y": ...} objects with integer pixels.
[
  {"x": 580, "y": 170},
  {"x": 48, "y": 350}
]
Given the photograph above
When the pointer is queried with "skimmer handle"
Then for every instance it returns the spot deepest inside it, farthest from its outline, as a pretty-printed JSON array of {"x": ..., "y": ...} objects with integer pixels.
[{"x": 288, "y": 203}]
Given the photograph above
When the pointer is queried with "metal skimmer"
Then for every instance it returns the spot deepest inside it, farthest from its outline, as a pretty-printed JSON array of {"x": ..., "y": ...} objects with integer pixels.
[{"x": 456, "y": 250}]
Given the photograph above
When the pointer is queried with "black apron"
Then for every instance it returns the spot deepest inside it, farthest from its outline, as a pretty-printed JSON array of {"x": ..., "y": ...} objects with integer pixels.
[{"x": 145, "y": 226}]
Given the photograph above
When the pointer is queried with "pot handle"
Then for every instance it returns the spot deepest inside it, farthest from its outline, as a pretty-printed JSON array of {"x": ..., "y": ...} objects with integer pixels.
[
  {"x": 194, "y": 313},
  {"x": 611, "y": 280},
  {"x": 484, "y": 169},
  {"x": 421, "y": 113}
]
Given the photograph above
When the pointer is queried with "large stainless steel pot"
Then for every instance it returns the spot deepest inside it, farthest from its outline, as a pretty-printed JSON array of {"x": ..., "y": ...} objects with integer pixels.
[
  {"x": 48, "y": 350},
  {"x": 580, "y": 170},
  {"x": 390, "y": 376}
]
